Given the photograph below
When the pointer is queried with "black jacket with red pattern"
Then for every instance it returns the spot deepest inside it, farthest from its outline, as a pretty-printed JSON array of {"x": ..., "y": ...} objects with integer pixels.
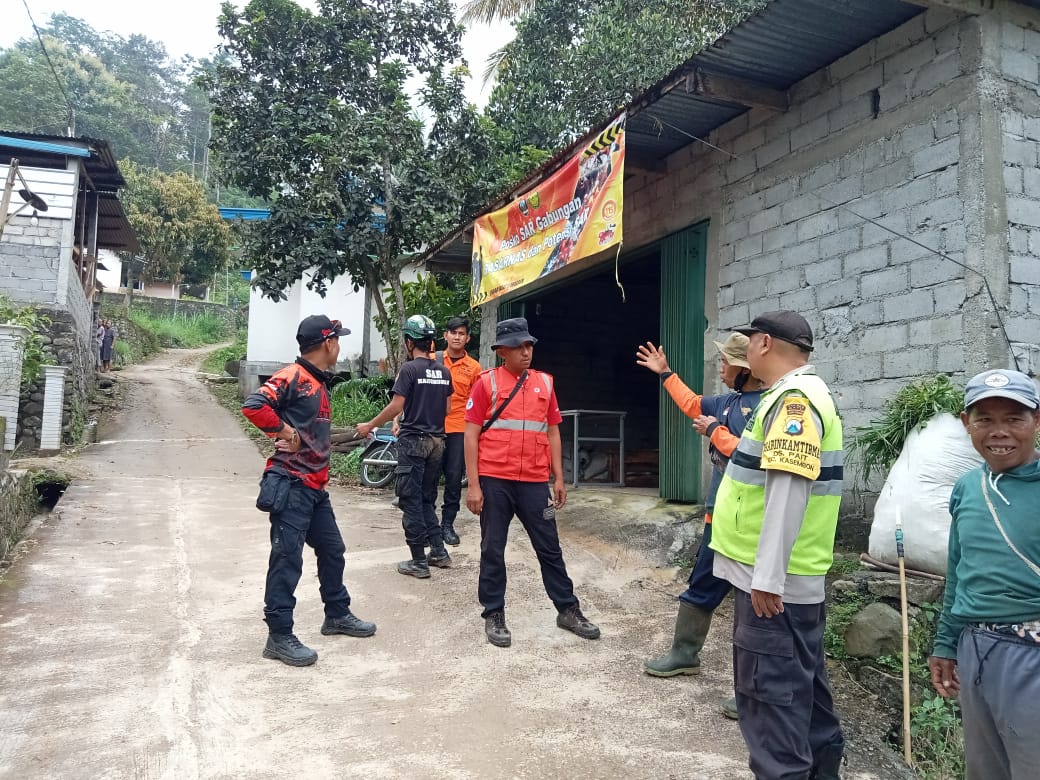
[{"x": 297, "y": 395}]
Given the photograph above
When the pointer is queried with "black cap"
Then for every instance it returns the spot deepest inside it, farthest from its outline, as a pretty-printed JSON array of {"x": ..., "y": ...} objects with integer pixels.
[
  {"x": 318, "y": 328},
  {"x": 513, "y": 333},
  {"x": 789, "y": 326}
]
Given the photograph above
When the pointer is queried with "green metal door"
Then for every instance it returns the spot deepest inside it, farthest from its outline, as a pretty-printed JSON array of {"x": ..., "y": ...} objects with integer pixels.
[{"x": 682, "y": 334}]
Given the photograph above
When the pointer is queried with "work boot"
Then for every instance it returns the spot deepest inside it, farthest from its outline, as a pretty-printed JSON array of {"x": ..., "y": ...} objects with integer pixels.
[
  {"x": 691, "y": 628},
  {"x": 495, "y": 628},
  {"x": 439, "y": 558},
  {"x": 572, "y": 620},
  {"x": 289, "y": 650},
  {"x": 448, "y": 532},
  {"x": 827, "y": 762},
  {"x": 416, "y": 567},
  {"x": 349, "y": 624},
  {"x": 729, "y": 708}
]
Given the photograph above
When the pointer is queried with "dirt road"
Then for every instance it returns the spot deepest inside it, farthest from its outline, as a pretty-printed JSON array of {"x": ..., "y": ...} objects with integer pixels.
[{"x": 130, "y": 637}]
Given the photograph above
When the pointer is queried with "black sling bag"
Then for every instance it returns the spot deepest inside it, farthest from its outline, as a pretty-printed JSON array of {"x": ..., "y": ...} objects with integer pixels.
[{"x": 501, "y": 407}]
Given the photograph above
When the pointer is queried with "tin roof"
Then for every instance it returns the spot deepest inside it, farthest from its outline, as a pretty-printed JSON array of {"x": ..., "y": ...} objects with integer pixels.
[{"x": 755, "y": 63}]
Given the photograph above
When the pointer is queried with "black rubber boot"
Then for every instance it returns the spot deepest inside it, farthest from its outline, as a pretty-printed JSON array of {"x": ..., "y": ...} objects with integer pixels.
[
  {"x": 417, "y": 568},
  {"x": 289, "y": 650},
  {"x": 495, "y": 628},
  {"x": 828, "y": 761},
  {"x": 349, "y": 624},
  {"x": 691, "y": 628},
  {"x": 448, "y": 532}
]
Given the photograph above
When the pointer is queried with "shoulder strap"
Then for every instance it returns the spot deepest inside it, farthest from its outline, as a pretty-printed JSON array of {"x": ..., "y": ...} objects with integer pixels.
[{"x": 495, "y": 414}]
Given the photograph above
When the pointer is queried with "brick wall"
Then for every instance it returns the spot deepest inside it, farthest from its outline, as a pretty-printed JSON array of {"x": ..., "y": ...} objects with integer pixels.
[{"x": 29, "y": 260}]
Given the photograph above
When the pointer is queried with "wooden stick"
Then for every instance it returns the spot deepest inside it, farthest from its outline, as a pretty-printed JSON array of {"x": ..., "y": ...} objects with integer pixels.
[{"x": 907, "y": 754}]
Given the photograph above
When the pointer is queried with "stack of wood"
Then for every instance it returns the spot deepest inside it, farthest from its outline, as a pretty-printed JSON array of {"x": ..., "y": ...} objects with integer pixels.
[
  {"x": 346, "y": 439},
  {"x": 641, "y": 468}
]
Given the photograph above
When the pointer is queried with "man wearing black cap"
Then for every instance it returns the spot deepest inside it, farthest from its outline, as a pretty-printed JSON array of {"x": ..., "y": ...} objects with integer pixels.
[
  {"x": 776, "y": 513},
  {"x": 292, "y": 407},
  {"x": 512, "y": 443}
]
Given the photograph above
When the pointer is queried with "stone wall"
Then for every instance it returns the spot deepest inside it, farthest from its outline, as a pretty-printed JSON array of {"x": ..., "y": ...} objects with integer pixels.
[{"x": 17, "y": 507}]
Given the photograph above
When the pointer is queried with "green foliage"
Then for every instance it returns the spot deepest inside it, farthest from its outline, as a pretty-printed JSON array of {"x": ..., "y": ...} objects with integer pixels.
[
  {"x": 182, "y": 235},
  {"x": 840, "y": 612},
  {"x": 878, "y": 444},
  {"x": 843, "y": 565},
  {"x": 937, "y": 739},
  {"x": 346, "y": 465},
  {"x": 215, "y": 360},
  {"x": 358, "y": 400},
  {"x": 439, "y": 296},
  {"x": 184, "y": 332},
  {"x": 32, "y": 345}
]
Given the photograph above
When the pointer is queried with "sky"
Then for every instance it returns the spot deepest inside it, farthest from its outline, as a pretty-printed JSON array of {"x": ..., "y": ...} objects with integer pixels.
[{"x": 190, "y": 27}]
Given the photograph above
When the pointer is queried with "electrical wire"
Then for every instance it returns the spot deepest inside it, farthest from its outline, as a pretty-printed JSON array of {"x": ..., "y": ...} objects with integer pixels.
[
  {"x": 943, "y": 255},
  {"x": 61, "y": 87}
]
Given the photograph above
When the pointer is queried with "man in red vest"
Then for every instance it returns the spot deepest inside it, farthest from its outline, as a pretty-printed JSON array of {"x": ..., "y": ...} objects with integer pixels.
[{"x": 512, "y": 440}]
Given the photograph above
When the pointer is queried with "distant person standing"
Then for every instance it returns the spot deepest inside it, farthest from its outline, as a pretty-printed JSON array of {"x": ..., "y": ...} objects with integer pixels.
[
  {"x": 293, "y": 408},
  {"x": 107, "y": 342},
  {"x": 99, "y": 338},
  {"x": 464, "y": 373}
]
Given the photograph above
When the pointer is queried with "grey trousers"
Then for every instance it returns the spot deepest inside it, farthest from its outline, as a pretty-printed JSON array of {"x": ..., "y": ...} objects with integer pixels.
[{"x": 1000, "y": 688}]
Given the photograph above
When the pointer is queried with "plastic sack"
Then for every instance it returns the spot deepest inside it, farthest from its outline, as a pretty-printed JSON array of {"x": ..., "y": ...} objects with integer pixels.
[{"x": 919, "y": 484}]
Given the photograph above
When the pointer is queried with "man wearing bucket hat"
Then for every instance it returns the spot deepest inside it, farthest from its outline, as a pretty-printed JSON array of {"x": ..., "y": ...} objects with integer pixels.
[
  {"x": 293, "y": 408},
  {"x": 776, "y": 514},
  {"x": 512, "y": 443},
  {"x": 987, "y": 647},
  {"x": 720, "y": 418}
]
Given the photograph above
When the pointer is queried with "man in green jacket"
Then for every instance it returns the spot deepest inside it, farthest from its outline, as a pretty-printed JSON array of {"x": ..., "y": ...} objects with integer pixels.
[
  {"x": 776, "y": 513},
  {"x": 989, "y": 630}
]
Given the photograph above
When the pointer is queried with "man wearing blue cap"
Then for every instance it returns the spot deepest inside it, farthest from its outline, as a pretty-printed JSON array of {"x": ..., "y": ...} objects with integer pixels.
[{"x": 987, "y": 647}]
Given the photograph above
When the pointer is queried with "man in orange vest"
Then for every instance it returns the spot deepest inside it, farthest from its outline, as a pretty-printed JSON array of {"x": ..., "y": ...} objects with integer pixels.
[
  {"x": 512, "y": 441},
  {"x": 464, "y": 373}
]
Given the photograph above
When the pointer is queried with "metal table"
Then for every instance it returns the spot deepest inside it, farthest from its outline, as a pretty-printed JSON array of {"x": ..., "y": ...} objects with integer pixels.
[{"x": 578, "y": 438}]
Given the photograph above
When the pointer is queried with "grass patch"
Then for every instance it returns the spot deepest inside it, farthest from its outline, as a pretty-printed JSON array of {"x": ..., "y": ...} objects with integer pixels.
[
  {"x": 346, "y": 465},
  {"x": 215, "y": 360},
  {"x": 359, "y": 400},
  {"x": 181, "y": 332}
]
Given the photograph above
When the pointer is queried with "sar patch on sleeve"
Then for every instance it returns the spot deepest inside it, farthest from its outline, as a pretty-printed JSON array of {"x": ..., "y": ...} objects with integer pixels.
[{"x": 793, "y": 442}]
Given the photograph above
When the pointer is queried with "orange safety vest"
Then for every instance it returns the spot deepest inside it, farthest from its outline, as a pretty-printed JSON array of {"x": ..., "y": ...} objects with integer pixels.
[{"x": 516, "y": 445}]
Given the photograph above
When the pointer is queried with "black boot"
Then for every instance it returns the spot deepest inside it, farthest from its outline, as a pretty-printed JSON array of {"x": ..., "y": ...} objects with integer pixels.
[
  {"x": 495, "y": 628},
  {"x": 439, "y": 558},
  {"x": 574, "y": 621},
  {"x": 448, "y": 532},
  {"x": 691, "y": 628},
  {"x": 827, "y": 762},
  {"x": 289, "y": 650},
  {"x": 416, "y": 567},
  {"x": 349, "y": 624}
]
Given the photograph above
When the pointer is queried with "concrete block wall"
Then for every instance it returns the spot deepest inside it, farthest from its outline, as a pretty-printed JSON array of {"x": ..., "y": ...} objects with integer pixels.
[{"x": 29, "y": 260}]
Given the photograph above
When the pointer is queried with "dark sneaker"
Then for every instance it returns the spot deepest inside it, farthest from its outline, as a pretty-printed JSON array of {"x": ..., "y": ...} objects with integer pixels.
[
  {"x": 729, "y": 709},
  {"x": 450, "y": 537},
  {"x": 350, "y": 624},
  {"x": 495, "y": 628},
  {"x": 289, "y": 650},
  {"x": 439, "y": 558},
  {"x": 413, "y": 568},
  {"x": 572, "y": 620}
]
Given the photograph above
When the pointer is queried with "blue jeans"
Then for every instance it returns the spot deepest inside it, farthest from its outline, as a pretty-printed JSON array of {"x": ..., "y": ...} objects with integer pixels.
[
  {"x": 418, "y": 472},
  {"x": 307, "y": 518}
]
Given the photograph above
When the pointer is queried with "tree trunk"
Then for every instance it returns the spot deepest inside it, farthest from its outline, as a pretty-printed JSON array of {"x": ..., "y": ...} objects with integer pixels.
[{"x": 385, "y": 326}]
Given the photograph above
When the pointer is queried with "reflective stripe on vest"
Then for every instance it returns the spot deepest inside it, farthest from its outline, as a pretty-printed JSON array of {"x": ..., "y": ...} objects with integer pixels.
[
  {"x": 740, "y": 503},
  {"x": 516, "y": 445},
  {"x": 519, "y": 425}
]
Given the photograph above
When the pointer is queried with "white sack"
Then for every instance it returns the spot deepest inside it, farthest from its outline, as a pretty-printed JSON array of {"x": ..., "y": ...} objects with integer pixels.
[{"x": 920, "y": 483}]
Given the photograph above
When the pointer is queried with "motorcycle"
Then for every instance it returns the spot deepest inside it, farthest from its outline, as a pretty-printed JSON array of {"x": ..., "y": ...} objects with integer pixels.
[{"x": 379, "y": 460}]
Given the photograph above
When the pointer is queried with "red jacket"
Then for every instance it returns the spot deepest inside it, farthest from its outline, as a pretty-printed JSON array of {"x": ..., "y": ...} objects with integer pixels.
[{"x": 516, "y": 446}]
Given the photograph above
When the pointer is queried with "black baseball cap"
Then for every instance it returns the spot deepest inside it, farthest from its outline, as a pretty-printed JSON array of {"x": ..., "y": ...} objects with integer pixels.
[
  {"x": 789, "y": 326},
  {"x": 318, "y": 328}
]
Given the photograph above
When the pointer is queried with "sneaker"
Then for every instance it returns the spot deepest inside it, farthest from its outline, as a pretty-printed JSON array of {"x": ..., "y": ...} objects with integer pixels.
[
  {"x": 289, "y": 650},
  {"x": 414, "y": 568},
  {"x": 349, "y": 624},
  {"x": 450, "y": 537},
  {"x": 729, "y": 708},
  {"x": 572, "y": 620},
  {"x": 439, "y": 558},
  {"x": 495, "y": 628}
]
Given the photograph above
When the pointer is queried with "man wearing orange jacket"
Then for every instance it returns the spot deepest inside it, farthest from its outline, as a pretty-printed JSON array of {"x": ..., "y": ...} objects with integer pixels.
[
  {"x": 720, "y": 418},
  {"x": 464, "y": 373},
  {"x": 512, "y": 445}
]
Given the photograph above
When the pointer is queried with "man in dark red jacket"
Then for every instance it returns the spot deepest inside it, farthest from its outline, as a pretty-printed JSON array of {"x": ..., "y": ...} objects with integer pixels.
[{"x": 293, "y": 408}]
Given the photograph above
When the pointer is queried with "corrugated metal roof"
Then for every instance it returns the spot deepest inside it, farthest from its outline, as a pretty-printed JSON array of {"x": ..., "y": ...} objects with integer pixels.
[
  {"x": 774, "y": 49},
  {"x": 114, "y": 231}
]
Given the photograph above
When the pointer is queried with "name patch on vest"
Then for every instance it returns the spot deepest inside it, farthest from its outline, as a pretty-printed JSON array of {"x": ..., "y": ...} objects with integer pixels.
[{"x": 793, "y": 442}]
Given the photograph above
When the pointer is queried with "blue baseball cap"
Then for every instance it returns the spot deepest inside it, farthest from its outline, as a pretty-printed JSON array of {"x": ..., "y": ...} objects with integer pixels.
[{"x": 1002, "y": 383}]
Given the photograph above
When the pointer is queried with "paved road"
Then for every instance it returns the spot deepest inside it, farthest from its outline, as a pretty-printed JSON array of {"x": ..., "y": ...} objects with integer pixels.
[{"x": 130, "y": 637}]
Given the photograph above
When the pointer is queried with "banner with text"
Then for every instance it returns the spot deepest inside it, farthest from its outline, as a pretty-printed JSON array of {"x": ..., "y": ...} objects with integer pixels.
[{"x": 573, "y": 214}]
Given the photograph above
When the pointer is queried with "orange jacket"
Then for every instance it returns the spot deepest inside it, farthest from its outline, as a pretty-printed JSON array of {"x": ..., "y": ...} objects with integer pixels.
[
  {"x": 690, "y": 405},
  {"x": 464, "y": 373},
  {"x": 516, "y": 446}
]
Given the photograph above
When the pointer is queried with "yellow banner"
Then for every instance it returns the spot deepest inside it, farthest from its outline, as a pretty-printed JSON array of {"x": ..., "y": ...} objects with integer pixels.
[{"x": 573, "y": 214}]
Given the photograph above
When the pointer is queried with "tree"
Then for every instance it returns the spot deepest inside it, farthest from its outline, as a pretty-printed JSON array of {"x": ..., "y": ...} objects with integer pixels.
[
  {"x": 182, "y": 235},
  {"x": 575, "y": 63},
  {"x": 313, "y": 113}
]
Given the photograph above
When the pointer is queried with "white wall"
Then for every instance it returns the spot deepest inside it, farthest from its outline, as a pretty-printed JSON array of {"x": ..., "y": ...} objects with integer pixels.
[{"x": 272, "y": 325}]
